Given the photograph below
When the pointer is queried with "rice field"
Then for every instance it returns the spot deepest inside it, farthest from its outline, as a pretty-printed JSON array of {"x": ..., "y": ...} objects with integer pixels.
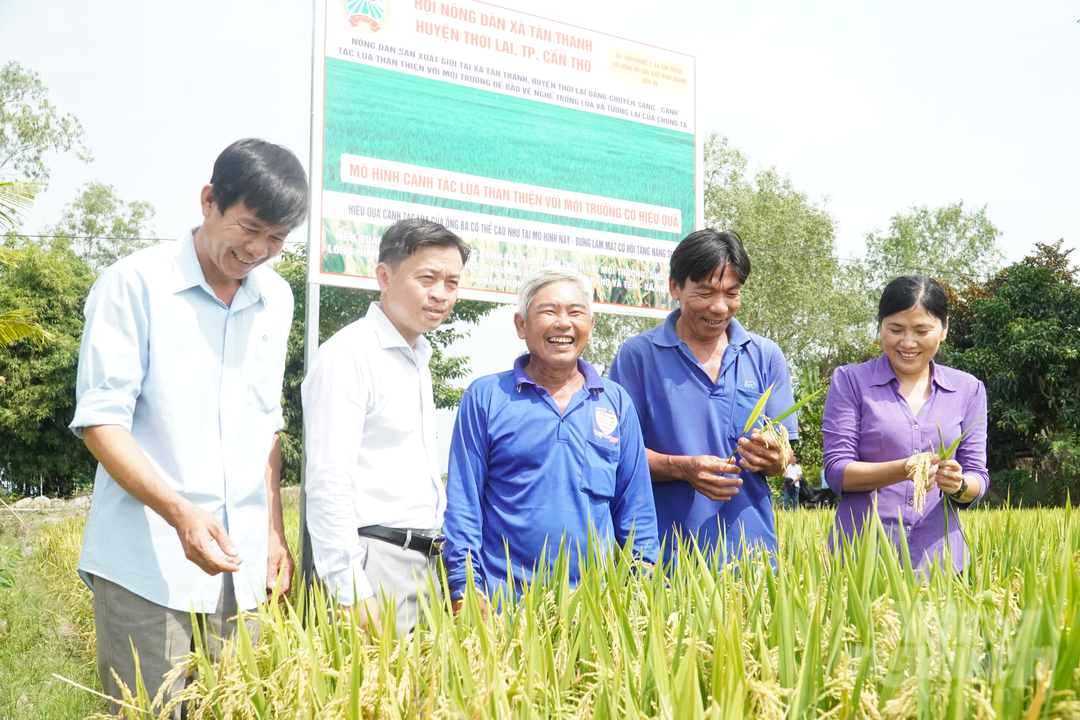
[{"x": 814, "y": 633}]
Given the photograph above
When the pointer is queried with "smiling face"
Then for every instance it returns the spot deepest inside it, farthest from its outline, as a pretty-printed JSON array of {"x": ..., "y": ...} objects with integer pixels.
[
  {"x": 231, "y": 244},
  {"x": 558, "y": 327},
  {"x": 707, "y": 305},
  {"x": 421, "y": 291},
  {"x": 911, "y": 339}
]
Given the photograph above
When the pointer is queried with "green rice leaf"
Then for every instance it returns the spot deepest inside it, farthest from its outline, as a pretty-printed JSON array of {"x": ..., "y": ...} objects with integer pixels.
[
  {"x": 798, "y": 406},
  {"x": 946, "y": 454}
]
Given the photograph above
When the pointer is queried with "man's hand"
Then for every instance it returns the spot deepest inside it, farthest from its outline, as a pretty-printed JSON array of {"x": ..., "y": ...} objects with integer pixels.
[
  {"x": 205, "y": 541},
  {"x": 458, "y": 604},
  {"x": 704, "y": 473},
  {"x": 761, "y": 453},
  {"x": 366, "y": 613},
  {"x": 279, "y": 561}
]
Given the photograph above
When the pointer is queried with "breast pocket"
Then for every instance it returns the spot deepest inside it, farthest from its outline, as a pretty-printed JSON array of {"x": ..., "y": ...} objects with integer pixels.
[
  {"x": 264, "y": 369},
  {"x": 742, "y": 406},
  {"x": 598, "y": 473}
]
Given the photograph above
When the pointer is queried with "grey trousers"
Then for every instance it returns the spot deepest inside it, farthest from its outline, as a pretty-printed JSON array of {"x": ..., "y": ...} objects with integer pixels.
[
  {"x": 162, "y": 636},
  {"x": 399, "y": 577}
]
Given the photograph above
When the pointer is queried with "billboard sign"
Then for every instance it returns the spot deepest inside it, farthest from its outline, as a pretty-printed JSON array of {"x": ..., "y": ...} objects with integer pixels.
[{"x": 538, "y": 142}]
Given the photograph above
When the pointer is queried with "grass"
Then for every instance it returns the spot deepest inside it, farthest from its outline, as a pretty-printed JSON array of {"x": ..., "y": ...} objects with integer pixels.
[
  {"x": 850, "y": 634},
  {"x": 46, "y": 622}
]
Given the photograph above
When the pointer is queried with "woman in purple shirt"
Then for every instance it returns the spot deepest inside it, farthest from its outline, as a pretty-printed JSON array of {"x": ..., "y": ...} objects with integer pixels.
[{"x": 880, "y": 415}]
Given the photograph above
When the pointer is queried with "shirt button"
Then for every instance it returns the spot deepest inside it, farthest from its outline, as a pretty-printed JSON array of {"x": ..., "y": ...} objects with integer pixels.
[
  {"x": 908, "y": 528},
  {"x": 916, "y": 427},
  {"x": 911, "y": 502}
]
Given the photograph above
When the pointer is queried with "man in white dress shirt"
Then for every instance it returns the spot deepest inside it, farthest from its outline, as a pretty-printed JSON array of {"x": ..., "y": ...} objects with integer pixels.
[
  {"x": 179, "y": 399},
  {"x": 375, "y": 497}
]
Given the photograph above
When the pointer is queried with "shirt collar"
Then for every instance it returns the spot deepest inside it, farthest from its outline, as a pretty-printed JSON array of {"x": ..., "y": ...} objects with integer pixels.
[
  {"x": 883, "y": 374},
  {"x": 667, "y": 337},
  {"x": 188, "y": 273},
  {"x": 388, "y": 335},
  {"x": 593, "y": 382}
]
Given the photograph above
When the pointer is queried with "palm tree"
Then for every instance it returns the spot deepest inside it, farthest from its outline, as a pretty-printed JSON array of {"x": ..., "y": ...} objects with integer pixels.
[{"x": 15, "y": 196}]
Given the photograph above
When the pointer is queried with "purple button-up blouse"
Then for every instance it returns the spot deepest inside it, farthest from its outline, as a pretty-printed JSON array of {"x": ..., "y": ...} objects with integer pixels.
[{"x": 867, "y": 420}]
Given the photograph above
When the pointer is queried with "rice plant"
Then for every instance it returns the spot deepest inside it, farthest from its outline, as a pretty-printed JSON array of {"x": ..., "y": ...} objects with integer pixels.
[{"x": 851, "y": 632}]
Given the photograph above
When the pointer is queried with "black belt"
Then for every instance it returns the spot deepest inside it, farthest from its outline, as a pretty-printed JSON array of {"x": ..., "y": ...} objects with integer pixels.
[{"x": 406, "y": 539}]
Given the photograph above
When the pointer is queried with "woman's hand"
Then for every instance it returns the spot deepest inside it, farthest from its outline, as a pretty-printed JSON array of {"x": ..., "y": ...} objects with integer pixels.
[
  {"x": 911, "y": 462},
  {"x": 949, "y": 476}
]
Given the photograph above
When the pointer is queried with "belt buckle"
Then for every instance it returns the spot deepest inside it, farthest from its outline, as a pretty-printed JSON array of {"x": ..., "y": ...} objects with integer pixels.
[{"x": 437, "y": 543}]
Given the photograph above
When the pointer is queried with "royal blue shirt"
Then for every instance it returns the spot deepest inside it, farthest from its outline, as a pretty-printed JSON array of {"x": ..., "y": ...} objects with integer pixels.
[
  {"x": 523, "y": 476},
  {"x": 683, "y": 412}
]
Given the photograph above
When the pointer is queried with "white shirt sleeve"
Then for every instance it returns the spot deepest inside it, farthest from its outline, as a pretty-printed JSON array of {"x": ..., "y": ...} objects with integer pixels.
[{"x": 335, "y": 395}]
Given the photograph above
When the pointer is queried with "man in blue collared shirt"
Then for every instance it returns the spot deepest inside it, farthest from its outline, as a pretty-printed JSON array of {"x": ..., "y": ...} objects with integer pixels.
[
  {"x": 179, "y": 399},
  {"x": 695, "y": 379},
  {"x": 544, "y": 452}
]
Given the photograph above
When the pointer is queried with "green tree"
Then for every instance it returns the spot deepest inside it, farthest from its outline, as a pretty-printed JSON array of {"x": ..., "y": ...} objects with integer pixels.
[
  {"x": 16, "y": 323},
  {"x": 337, "y": 308},
  {"x": 947, "y": 242},
  {"x": 798, "y": 294},
  {"x": 1019, "y": 333},
  {"x": 37, "y": 391},
  {"x": 30, "y": 125},
  {"x": 102, "y": 228}
]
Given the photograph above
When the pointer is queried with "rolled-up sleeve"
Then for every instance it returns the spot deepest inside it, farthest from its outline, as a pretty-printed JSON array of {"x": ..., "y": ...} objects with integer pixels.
[
  {"x": 840, "y": 427},
  {"x": 467, "y": 474},
  {"x": 971, "y": 453},
  {"x": 113, "y": 353},
  {"x": 335, "y": 407},
  {"x": 633, "y": 509}
]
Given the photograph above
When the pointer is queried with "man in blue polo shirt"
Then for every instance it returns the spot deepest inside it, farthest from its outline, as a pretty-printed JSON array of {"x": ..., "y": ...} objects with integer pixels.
[
  {"x": 543, "y": 452},
  {"x": 695, "y": 379}
]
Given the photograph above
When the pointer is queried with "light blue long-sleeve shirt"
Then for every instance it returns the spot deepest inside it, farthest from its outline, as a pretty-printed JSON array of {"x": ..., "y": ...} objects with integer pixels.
[{"x": 198, "y": 384}]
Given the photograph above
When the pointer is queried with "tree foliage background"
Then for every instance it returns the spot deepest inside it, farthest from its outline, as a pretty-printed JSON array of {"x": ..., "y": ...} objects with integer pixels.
[
  {"x": 30, "y": 125},
  {"x": 101, "y": 228},
  {"x": 37, "y": 394},
  {"x": 799, "y": 293},
  {"x": 1019, "y": 332}
]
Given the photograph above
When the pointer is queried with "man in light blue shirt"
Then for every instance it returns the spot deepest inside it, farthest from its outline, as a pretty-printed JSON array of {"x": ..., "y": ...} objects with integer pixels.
[
  {"x": 543, "y": 453},
  {"x": 695, "y": 379},
  {"x": 179, "y": 399}
]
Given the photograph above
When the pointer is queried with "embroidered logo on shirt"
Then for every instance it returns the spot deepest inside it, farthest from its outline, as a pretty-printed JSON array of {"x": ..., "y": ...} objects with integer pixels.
[
  {"x": 606, "y": 420},
  {"x": 749, "y": 384}
]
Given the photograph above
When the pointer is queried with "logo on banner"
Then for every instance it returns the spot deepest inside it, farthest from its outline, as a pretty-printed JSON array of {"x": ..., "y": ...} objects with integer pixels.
[
  {"x": 367, "y": 15},
  {"x": 606, "y": 420}
]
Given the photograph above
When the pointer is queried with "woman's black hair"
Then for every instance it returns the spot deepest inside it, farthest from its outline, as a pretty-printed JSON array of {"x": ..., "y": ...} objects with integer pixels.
[{"x": 908, "y": 291}]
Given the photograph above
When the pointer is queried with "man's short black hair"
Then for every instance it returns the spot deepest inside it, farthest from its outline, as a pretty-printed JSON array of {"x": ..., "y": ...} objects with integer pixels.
[
  {"x": 704, "y": 252},
  {"x": 266, "y": 178},
  {"x": 405, "y": 237}
]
